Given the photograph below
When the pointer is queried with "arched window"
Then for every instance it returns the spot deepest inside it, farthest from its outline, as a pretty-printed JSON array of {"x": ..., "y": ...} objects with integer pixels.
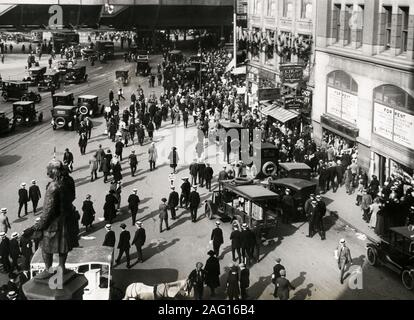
[
  {"x": 342, "y": 96},
  {"x": 393, "y": 116}
]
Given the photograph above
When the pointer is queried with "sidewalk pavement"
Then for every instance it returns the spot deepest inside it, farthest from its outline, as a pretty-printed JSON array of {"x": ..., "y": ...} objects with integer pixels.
[{"x": 343, "y": 205}]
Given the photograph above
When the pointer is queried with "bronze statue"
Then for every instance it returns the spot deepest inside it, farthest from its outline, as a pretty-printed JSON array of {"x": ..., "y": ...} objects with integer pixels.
[{"x": 57, "y": 222}]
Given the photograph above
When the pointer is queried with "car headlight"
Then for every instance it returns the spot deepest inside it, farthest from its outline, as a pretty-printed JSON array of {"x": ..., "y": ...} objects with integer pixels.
[
  {"x": 70, "y": 124},
  {"x": 52, "y": 122},
  {"x": 27, "y": 119}
]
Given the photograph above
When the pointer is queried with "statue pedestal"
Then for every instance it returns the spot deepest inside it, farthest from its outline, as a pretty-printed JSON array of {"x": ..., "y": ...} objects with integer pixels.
[{"x": 72, "y": 288}]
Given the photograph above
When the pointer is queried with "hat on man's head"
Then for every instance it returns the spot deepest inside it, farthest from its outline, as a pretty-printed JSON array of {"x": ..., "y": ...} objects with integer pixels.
[
  {"x": 195, "y": 187},
  {"x": 164, "y": 200},
  {"x": 12, "y": 295},
  {"x": 244, "y": 225},
  {"x": 172, "y": 187},
  {"x": 342, "y": 241},
  {"x": 318, "y": 197},
  {"x": 123, "y": 225},
  {"x": 278, "y": 260},
  {"x": 108, "y": 226},
  {"x": 218, "y": 222},
  {"x": 33, "y": 181},
  {"x": 88, "y": 196},
  {"x": 134, "y": 190},
  {"x": 2, "y": 234},
  {"x": 37, "y": 219},
  {"x": 211, "y": 253},
  {"x": 138, "y": 223},
  {"x": 14, "y": 235},
  {"x": 3, "y": 210},
  {"x": 242, "y": 265},
  {"x": 23, "y": 184}
]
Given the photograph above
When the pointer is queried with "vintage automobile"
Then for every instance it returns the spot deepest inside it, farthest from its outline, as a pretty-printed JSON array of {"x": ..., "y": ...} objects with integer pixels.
[
  {"x": 122, "y": 77},
  {"x": 242, "y": 201},
  {"x": 294, "y": 170},
  {"x": 50, "y": 79},
  {"x": 300, "y": 190},
  {"x": 63, "y": 98},
  {"x": 94, "y": 262},
  {"x": 35, "y": 75},
  {"x": 88, "y": 105},
  {"x": 24, "y": 113},
  {"x": 88, "y": 53},
  {"x": 176, "y": 56},
  {"x": 18, "y": 90},
  {"x": 6, "y": 125},
  {"x": 64, "y": 117},
  {"x": 143, "y": 68},
  {"x": 233, "y": 142},
  {"x": 106, "y": 48},
  {"x": 62, "y": 65},
  {"x": 395, "y": 250},
  {"x": 76, "y": 75}
]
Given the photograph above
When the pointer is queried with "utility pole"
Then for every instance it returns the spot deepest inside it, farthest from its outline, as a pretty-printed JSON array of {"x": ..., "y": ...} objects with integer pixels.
[{"x": 235, "y": 33}]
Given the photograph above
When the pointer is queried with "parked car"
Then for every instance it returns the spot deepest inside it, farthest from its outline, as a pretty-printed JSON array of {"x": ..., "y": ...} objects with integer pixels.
[
  {"x": 64, "y": 117},
  {"x": 76, "y": 75},
  {"x": 176, "y": 56},
  {"x": 396, "y": 252},
  {"x": 88, "y": 53},
  {"x": 18, "y": 90},
  {"x": 63, "y": 98},
  {"x": 122, "y": 77},
  {"x": 62, "y": 65},
  {"x": 88, "y": 105},
  {"x": 50, "y": 79},
  {"x": 24, "y": 113},
  {"x": 294, "y": 170},
  {"x": 300, "y": 190},
  {"x": 35, "y": 75},
  {"x": 6, "y": 125}
]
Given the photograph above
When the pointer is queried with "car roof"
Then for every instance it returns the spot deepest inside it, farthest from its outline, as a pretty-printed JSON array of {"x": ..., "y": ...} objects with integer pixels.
[
  {"x": 404, "y": 232},
  {"x": 254, "y": 192},
  {"x": 294, "y": 165},
  {"x": 36, "y": 68},
  {"x": 81, "y": 255},
  {"x": 176, "y": 52},
  {"x": 229, "y": 125},
  {"x": 77, "y": 67},
  {"x": 63, "y": 94},
  {"x": 88, "y": 96},
  {"x": 51, "y": 73},
  {"x": 294, "y": 183},
  {"x": 16, "y": 81},
  {"x": 61, "y": 107},
  {"x": 23, "y": 103}
]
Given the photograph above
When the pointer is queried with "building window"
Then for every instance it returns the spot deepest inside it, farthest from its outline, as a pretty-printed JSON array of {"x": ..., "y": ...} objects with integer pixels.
[
  {"x": 271, "y": 8},
  {"x": 349, "y": 11},
  {"x": 388, "y": 24},
  {"x": 306, "y": 9},
  {"x": 288, "y": 9},
  {"x": 360, "y": 25},
  {"x": 404, "y": 32},
  {"x": 342, "y": 96},
  {"x": 270, "y": 48},
  {"x": 336, "y": 22}
]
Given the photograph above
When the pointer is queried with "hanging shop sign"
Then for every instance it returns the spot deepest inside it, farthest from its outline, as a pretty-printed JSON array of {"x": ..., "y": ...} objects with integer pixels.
[
  {"x": 394, "y": 125},
  {"x": 295, "y": 102},
  {"x": 268, "y": 94},
  {"x": 291, "y": 73}
]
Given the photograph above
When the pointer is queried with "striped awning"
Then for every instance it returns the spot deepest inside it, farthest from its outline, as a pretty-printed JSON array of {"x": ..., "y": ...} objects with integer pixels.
[{"x": 279, "y": 113}]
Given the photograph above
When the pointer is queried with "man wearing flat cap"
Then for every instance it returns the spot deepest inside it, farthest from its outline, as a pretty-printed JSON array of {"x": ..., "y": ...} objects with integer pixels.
[
  {"x": 23, "y": 199},
  {"x": 163, "y": 214},
  {"x": 109, "y": 240},
  {"x": 185, "y": 192},
  {"x": 133, "y": 203},
  {"x": 194, "y": 200},
  {"x": 173, "y": 201},
  {"x": 217, "y": 238},
  {"x": 34, "y": 195},
  {"x": 123, "y": 245}
]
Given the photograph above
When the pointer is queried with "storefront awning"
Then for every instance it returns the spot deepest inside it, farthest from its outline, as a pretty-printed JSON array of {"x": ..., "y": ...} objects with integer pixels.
[
  {"x": 239, "y": 71},
  {"x": 339, "y": 127},
  {"x": 279, "y": 113}
]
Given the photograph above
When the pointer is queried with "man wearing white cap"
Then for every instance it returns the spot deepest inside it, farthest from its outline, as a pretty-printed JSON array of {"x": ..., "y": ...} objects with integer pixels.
[
  {"x": 4, "y": 221},
  {"x": 194, "y": 200},
  {"x": 173, "y": 201},
  {"x": 34, "y": 195},
  {"x": 109, "y": 240},
  {"x": 344, "y": 258},
  {"x": 5, "y": 251},
  {"x": 139, "y": 240},
  {"x": 217, "y": 238},
  {"x": 133, "y": 203},
  {"x": 14, "y": 250},
  {"x": 23, "y": 199},
  {"x": 133, "y": 162}
]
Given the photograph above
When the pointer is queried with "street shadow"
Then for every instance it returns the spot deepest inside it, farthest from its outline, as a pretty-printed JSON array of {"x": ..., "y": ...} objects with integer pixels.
[
  {"x": 302, "y": 294},
  {"x": 359, "y": 261},
  {"x": 126, "y": 184},
  {"x": 330, "y": 221},
  {"x": 179, "y": 222},
  {"x": 297, "y": 282},
  {"x": 151, "y": 215},
  {"x": 269, "y": 247},
  {"x": 257, "y": 289},
  {"x": 81, "y": 168},
  {"x": 224, "y": 252},
  {"x": 21, "y": 219},
  {"x": 327, "y": 200},
  {"x": 8, "y": 160}
]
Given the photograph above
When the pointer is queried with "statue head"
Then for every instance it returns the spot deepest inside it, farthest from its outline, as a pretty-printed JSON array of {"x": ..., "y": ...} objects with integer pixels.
[{"x": 54, "y": 169}]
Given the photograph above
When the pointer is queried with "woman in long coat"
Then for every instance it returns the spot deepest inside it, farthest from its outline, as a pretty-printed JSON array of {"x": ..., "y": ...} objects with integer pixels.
[
  {"x": 173, "y": 157},
  {"x": 152, "y": 155},
  {"x": 109, "y": 207},
  {"x": 116, "y": 171},
  {"x": 212, "y": 269},
  {"x": 88, "y": 212}
]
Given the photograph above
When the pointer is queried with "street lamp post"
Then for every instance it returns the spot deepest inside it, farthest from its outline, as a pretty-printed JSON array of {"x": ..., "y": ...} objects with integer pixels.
[{"x": 200, "y": 66}]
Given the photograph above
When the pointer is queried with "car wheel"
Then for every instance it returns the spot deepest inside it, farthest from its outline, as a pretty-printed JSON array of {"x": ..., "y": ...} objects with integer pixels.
[
  {"x": 269, "y": 168},
  {"x": 5, "y": 97},
  {"x": 407, "y": 278},
  {"x": 60, "y": 122},
  {"x": 83, "y": 110},
  {"x": 19, "y": 119},
  {"x": 372, "y": 256},
  {"x": 38, "y": 98}
]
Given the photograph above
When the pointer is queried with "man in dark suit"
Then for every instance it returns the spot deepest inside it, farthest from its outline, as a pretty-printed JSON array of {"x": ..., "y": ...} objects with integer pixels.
[
  {"x": 319, "y": 214},
  {"x": 68, "y": 159},
  {"x": 139, "y": 240},
  {"x": 222, "y": 176},
  {"x": 197, "y": 278},
  {"x": 193, "y": 172},
  {"x": 23, "y": 199},
  {"x": 185, "y": 192},
  {"x": 173, "y": 201},
  {"x": 208, "y": 175},
  {"x": 109, "y": 240},
  {"x": 163, "y": 214},
  {"x": 15, "y": 252},
  {"x": 133, "y": 202},
  {"x": 276, "y": 273},
  {"x": 5, "y": 251},
  {"x": 123, "y": 245},
  {"x": 194, "y": 200},
  {"x": 232, "y": 284},
  {"x": 201, "y": 173},
  {"x": 235, "y": 238},
  {"x": 217, "y": 238},
  {"x": 244, "y": 281},
  {"x": 133, "y": 162},
  {"x": 283, "y": 286},
  {"x": 248, "y": 243},
  {"x": 34, "y": 195}
]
